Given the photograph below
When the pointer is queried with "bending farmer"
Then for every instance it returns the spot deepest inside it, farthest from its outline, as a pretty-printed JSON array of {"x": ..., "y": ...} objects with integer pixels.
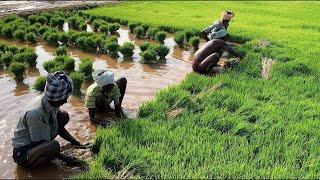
[
  {"x": 218, "y": 30},
  {"x": 33, "y": 141},
  {"x": 206, "y": 59},
  {"x": 102, "y": 92}
]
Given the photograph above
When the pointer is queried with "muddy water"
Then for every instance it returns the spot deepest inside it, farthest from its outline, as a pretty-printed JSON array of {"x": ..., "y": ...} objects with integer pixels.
[{"x": 143, "y": 82}]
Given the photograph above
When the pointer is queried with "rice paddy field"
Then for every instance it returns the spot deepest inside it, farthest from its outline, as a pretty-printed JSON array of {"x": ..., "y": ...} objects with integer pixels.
[{"x": 240, "y": 124}]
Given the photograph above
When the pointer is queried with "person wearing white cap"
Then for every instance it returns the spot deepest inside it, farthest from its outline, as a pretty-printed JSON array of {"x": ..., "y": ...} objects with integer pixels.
[
  {"x": 102, "y": 92},
  {"x": 218, "y": 30}
]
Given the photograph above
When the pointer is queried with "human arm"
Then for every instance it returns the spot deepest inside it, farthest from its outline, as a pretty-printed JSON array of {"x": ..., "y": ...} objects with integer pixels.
[{"x": 229, "y": 49}]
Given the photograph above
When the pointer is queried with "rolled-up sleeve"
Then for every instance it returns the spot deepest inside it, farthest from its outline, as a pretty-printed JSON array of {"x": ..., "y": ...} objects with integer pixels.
[{"x": 39, "y": 131}]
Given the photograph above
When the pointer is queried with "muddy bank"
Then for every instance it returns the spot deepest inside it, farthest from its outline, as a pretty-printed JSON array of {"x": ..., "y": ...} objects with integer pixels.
[
  {"x": 143, "y": 82},
  {"x": 25, "y": 8}
]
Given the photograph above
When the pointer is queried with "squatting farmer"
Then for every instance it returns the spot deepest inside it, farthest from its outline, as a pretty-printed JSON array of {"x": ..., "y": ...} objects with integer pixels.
[
  {"x": 33, "y": 141},
  {"x": 206, "y": 59},
  {"x": 102, "y": 92},
  {"x": 218, "y": 30}
]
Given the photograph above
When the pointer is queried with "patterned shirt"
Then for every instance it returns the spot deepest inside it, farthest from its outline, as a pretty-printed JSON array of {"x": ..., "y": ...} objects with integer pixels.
[
  {"x": 216, "y": 30},
  {"x": 94, "y": 91},
  {"x": 37, "y": 123}
]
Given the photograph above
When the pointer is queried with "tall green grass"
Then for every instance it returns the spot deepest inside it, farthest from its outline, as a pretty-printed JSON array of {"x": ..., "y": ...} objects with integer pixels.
[{"x": 235, "y": 125}]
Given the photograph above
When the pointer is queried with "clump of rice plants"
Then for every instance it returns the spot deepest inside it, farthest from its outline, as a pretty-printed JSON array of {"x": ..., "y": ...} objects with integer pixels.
[
  {"x": 31, "y": 37},
  {"x": 57, "y": 21},
  {"x": 51, "y": 37},
  {"x": 161, "y": 36},
  {"x": 149, "y": 56},
  {"x": 32, "y": 19},
  {"x": 7, "y": 31},
  {"x": 61, "y": 51},
  {"x": 112, "y": 48},
  {"x": 40, "y": 83},
  {"x": 138, "y": 31},
  {"x": 77, "y": 79},
  {"x": 145, "y": 28},
  {"x": 18, "y": 69},
  {"x": 127, "y": 50},
  {"x": 19, "y": 34},
  {"x": 113, "y": 27},
  {"x": 6, "y": 58},
  {"x": 86, "y": 43},
  {"x": 65, "y": 63},
  {"x": 83, "y": 26},
  {"x": 144, "y": 46},
  {"x": 29, "y": 57},
  {"x": 43, "y": 29},
  {"x": 188, "y": 35},
  {"x": 85, "y": 67},
  {"x": 97, "y": 23},
  {"x": 162, "y": 51},
  {"x": 104, "y": 29},
  {"x": 194, "y": 41},
  {"x": 179, "y": 38},
  {"x": 132, "y": 26},
  {"x": 151, "y": 32}
]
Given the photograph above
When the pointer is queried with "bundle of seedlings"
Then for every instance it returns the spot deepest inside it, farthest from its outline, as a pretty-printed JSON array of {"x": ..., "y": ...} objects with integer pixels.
[
  {"x": 149, "y": 56},
  {"x": 40, "y": 83},
  {"x": 127, "y": 50},
  {"x": 179, "y": 38},
  {"x": 18, "y": 69},
  {"x": 161, "y": 36},
  {"x": 144, "y": 46},
  {"x": 151, "y": 32},
  {"x": 85, "y": 67},
  {"x": 139, "y": 32},
  {"x": 104, "y": 29},
  {"x": 61, "y": 51},
  {"x": 194, "y": 42},
  {"x": 97, "y": 23},
  {"x": 113, "y": 27},
  {"x": 77, "y": 79},
  {"x": 162, "y": 51},
  {"x": 132, "y": 26},
  {"x": 64, "y": 63},
  {"x": 112, "y": 46},
  {"x": 57, "y": 21}
]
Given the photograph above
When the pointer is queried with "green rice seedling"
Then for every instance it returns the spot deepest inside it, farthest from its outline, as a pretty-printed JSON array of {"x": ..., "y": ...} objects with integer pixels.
[
  {"x": 29, "y": 57},
  {"x": 149, "y": 56},
  {"x": 73, "y": 22},
  {"x": 85, "y": 67},
  {"x": 132, "y": 26},
  {"x": 112, "y": 39},
  {"x": 112, "y": 48},
  {"x": 113, "y": 27},
  {"x": 188, "y": 35},
  {"x": 51, "y": 38},
  {"x": 179, "y": 38},
  {"x": 104, "y": 29},
  {"x": 3, "y": 46},
  {"x": 40, "y": 83},
  {"x": 161, "y": 36},
  {"x": 152, "y": 32},
  {"x": 77, "y": 79},
  {"x": 7, "y": 58},
  {"x": 194, "y": 41},
  {"x": 32, "y": 19},
  {"x": 138, "y": 31},
  {"x": 63, "y": 38},
  {"x": 13, "y": 49},
  {"x": 97, "y": 23},
  {"x": 57, "y": 21},
  {"x": 32, "y": 29},
  {"x": 42, "y": 20},
  {"x": 7, "y": 31},
  {"x": 144, "y": 46},
  {"x": 162, "y": 51},
  {"x": 43, "y": 29},
  {"x": 61, "y": 51},
  {"x": 18, "y": 69},
  {"x": 30, "y": 37},
  {"x": 83, "y": 26},
  {"x": 127, "y": 50},
  {"x": 145, "y": 28},
  {"x": 49, "y": 66},
  {"x": 19, "y": 34},
  {"x": 69, "y": 64},
  {"x": 123, "y": 22}
]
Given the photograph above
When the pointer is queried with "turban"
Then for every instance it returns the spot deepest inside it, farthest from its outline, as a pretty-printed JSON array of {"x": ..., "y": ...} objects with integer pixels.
[
  {"x": 59, "y": 86},
  {"x": 103, "y": 77},
  {"x": 227, "y": 15}
]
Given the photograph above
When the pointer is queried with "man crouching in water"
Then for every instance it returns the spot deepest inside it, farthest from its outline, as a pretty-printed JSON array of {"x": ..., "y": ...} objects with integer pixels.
[
  {"x": 206, "y": 59},
  {"x": 33, "y": 140},
  {"x": 102, "y": 92}
]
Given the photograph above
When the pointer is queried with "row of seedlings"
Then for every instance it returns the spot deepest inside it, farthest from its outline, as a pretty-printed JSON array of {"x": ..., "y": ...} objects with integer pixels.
[{"x": 153, "y": 53}]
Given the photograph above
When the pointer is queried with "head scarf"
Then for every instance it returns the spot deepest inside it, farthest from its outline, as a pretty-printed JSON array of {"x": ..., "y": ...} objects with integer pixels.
[
  {"x": 227, "y": 15},
  {"x": 59, "y": 86},
  {"x": 103, "y": 77}
]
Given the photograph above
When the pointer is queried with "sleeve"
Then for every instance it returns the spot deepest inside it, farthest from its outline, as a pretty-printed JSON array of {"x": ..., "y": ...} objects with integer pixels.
[
  {"x": 215, "y": 33},
  {"x": 116, "y": 95},
  {"x": 213, "y": 26},
  {"x": 39, "y": 131}
]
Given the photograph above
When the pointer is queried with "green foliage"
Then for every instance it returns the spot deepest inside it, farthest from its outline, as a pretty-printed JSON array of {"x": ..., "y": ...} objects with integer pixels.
[
  {"x": 132, "y": 26},
  {"x": 86, "y": 43},
  {"x": 6, "y": 58},
  {"x": 64, "y": 63},
  {"x": 51, "y": 37},
  {"x": 57, "y": 21},
  {"x": 127, "y": 50},
  {"x": 43, "y": 29},
  {"x": 85, "y": 67},
  {"x": 194, "y": 41},
  {"x": 145, "y": 28},
  {"x": 42, "y": 20},
  {"x": 112, "y": 48},
  {"x": 188, "y": 35},
  {"x": 104, "y": 29},
  {"x": 77, "y": 79},
  {"x": 138, "y": 31},
  {"x": 29, "y": 57},
  {"x": 144, "y": 46},
  {"x": 40, "y": 83},
  {"x": 149, "y": 56},
  {"x": 31, "y": 37},
  {"x": 83, "y": 26},
  {"x": 162, "y": 51},
  {"x": 61, "y": 51},
  {"x": 113, "y": 27},
  {"x": 97, "y": 23},
  {"x": 152, "y": 32},
  {"x": 32, "y": 19},
  {"x": 19, "y": 34},
  {"x": 18, "y": 69},
  {"x": 7, "y": 31},
  {"x": 161, "y": 36},
  {"x": 179, "y": 38}
]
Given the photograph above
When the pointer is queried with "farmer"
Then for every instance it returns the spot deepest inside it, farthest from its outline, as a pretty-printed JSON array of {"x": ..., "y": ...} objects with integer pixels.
[
  {"x": 218, "y": 30},
  {"x": 102, "y": 92},
  {"x": 206, "y": 59},
  {"x": 33, "y": 141}
]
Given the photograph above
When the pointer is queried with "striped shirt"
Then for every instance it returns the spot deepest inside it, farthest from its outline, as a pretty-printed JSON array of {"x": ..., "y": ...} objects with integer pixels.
[
  {"x": 38, "y": 123},
  {"x": 94, "y": 91}
]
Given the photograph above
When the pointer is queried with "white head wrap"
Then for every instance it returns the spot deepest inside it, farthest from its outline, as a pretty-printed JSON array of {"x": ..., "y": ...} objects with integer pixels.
[{"x": 103, "y": 77}]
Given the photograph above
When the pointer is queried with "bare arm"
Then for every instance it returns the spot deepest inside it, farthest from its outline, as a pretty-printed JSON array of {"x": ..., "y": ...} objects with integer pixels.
[
  {"x": 92, "y": 115},
  {"x": 233, "y": 52}
]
